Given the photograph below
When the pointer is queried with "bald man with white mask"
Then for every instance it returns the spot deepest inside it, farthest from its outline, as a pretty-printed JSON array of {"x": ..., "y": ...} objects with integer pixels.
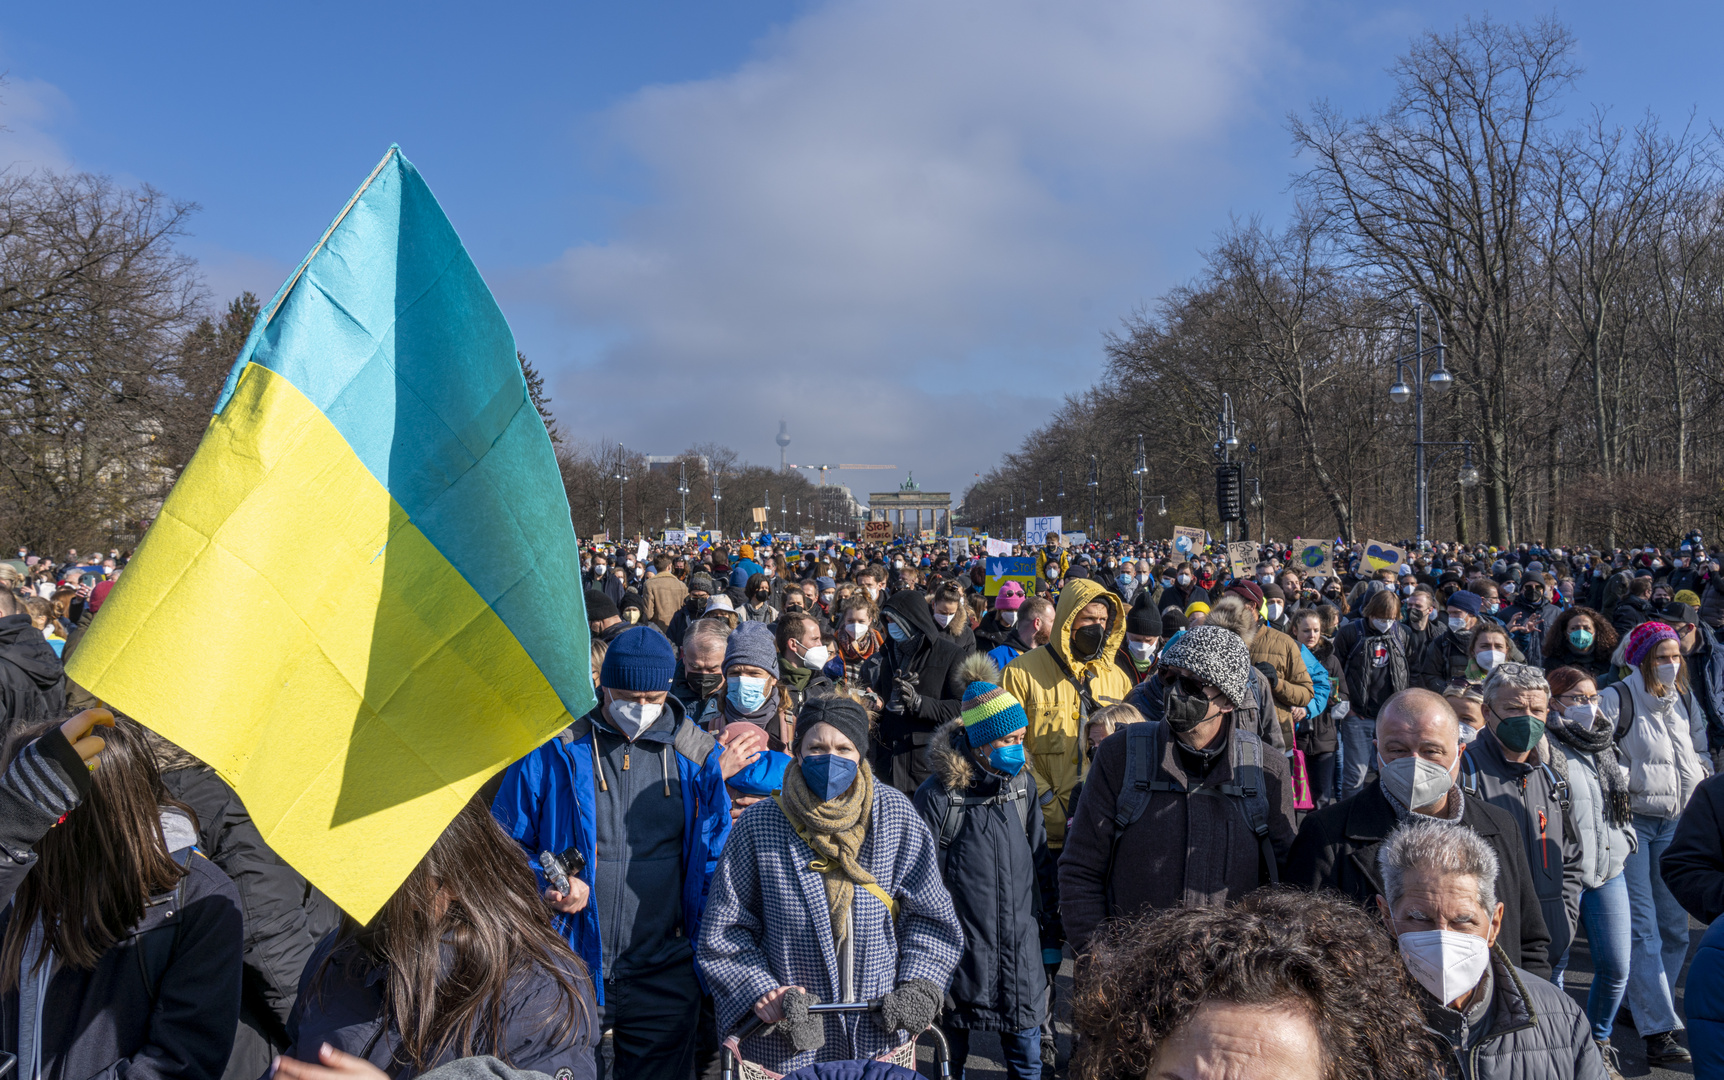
[{"x": 1417, "y": 762}]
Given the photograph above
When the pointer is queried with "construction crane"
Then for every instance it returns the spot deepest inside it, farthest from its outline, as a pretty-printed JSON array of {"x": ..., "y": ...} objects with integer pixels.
[{"x": 825, "y": 468}]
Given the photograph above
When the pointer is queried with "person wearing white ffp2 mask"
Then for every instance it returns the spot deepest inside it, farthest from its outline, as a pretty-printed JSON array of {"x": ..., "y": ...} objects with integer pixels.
[
  {"x": 1440, "y": 903},
  {"x": 1439, "y": 900}
]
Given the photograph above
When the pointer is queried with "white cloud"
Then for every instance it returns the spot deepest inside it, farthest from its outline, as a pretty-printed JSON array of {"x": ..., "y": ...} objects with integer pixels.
[
  {"x": 29, "y": 108},
  {"x": 902, "y": 225}
]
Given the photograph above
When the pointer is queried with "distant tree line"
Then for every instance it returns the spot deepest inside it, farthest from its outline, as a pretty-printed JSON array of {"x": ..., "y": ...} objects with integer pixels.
[{"x": 1575, "y": 271}]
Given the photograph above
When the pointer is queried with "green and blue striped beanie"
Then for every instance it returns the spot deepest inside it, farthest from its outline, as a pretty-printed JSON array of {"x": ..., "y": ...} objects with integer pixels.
[{"x": 990, "y": 712}]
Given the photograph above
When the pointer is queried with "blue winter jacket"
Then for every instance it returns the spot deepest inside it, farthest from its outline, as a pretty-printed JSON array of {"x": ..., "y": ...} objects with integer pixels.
[
  {"x": 546, "y": 804},
  {"x": 1322, "y": 689},
  {"x": 1705, "y": 1006}
]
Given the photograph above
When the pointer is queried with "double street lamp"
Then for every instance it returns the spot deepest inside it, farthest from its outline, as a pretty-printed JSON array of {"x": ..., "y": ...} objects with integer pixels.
[{"x": 1438, "y": 380}]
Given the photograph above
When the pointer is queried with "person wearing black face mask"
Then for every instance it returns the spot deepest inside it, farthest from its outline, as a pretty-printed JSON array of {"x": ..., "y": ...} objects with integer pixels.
[
  {"x": 1217, "y": 819},
  {"x": 757, "y": 601},
  {"x": 699, "y": 684},
  {"x": 700, "y": 590},
  {"x": 919, "y": 681}
]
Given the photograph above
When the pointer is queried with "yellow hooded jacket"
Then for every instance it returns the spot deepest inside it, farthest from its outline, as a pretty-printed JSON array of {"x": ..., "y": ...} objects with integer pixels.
[{"x": 1042, "y": 679}]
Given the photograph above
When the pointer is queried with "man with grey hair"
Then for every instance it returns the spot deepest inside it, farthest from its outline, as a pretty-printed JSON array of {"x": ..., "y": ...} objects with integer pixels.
[
  {"x": 1510, "y": 765},
  {"x": 1498, "y": 1020},
  {"x": 1417, "y": 761}
]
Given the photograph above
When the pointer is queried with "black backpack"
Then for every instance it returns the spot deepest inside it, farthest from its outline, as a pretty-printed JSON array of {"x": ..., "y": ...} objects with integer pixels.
[
  {"x": 1016, "y": 791},
  {"x": 1144, "y": 745}
]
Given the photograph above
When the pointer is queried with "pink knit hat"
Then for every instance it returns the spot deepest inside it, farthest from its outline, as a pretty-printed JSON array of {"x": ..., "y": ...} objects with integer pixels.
[
  {"x": 1011, "y": 597},
  {"x": 1643, "y": 637}
]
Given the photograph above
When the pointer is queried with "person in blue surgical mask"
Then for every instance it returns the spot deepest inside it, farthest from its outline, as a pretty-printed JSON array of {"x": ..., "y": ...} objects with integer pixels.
[
  {"x": 630, "y": 798},
  {"x": 827, "y": 892},
  {"x": 981, "y": 803}
]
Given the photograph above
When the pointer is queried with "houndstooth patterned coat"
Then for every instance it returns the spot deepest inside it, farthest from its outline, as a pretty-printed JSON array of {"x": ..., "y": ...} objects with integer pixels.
[{"x": 767, "y": 925}]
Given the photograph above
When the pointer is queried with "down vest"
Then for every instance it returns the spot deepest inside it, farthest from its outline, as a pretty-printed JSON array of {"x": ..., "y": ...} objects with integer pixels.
[
  {"x": 1604, "y": 847},
  {"x": 1658, "y": 745}
]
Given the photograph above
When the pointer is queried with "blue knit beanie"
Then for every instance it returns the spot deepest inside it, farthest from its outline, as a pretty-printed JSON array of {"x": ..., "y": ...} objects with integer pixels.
[
  {"x": 990, "y": 712},
  {"x": 639, "y": 659},
  {"x": 751, "y": 643}
]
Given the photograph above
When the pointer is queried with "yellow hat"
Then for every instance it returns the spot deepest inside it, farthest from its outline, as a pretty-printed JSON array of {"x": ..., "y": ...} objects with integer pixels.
[
  {"x": 1196, "y": 606},
  {"x": 747, "y": 551}
]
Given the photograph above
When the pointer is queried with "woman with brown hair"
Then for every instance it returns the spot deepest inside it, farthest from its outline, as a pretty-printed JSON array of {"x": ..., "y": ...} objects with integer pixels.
[
  {"x": 461, "y": 961},
  {"x": 122, "y": 946},
  {"x": 1580, "y": 638}
]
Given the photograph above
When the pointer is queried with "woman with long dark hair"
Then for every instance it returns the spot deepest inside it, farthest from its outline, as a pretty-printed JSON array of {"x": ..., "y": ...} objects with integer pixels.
[
  {"x": 1580, "y": 638},
  {"x": 122, "y": 947},
  {"x": 461, "y": 961}
]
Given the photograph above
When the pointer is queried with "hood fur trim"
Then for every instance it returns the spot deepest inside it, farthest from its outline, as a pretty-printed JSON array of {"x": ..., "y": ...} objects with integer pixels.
[{"x": 949, "y": 754}]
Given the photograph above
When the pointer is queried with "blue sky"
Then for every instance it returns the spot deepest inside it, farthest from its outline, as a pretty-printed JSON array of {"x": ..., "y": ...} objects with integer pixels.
[{"x": 902, "y": 226}]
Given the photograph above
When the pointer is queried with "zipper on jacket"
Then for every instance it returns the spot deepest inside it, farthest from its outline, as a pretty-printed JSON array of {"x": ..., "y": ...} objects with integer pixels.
[
  {"x": 625, "y": 757},
  {"x": 1543, "y": 846}
]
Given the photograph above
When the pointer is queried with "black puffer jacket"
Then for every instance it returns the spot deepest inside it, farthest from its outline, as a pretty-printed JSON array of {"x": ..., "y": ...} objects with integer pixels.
[
  {"x": 285, "y": 917},
  {"x": 1337, "y": 849},
  {"x": 930, "y": 659},
  {"x": 1001, "y": 877},
  {"x": 109, "y": 1022},
  {"x": 1536, "y": 1032},
  {"x": 32, "y": 679}
]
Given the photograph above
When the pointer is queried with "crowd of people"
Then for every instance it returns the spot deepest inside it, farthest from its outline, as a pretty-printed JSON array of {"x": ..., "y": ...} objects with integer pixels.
[{"x": 1341, "y": 823}]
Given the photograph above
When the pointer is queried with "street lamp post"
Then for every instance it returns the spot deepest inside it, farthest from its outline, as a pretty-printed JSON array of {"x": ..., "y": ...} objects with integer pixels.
[
  {"x": 621, "y": 477},
  {"x": 1400, "y": 393},
  {"x": 717, "y": 498},
  {"x": 1226, "y": 441},
  {"x": 682, "y": 491},
  {"x": 1139, "y": 470},
  {"x": 1094, "y": 491}
]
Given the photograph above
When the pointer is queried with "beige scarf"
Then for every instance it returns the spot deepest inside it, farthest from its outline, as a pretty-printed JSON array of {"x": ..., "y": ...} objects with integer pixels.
[{"x": 835, "y": 830}]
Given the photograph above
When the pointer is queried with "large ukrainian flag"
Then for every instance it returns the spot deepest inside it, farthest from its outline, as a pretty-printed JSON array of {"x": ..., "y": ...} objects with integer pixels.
[{"x": 362, "y": 599}]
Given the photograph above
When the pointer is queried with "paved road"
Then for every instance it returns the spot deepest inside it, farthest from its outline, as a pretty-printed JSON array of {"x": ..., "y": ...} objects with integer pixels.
[{"x": 985, "y": 1048}]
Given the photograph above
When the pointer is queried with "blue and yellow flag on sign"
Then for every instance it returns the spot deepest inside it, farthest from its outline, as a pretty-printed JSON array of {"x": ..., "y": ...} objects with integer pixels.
[{"x": 362, "y": 599}]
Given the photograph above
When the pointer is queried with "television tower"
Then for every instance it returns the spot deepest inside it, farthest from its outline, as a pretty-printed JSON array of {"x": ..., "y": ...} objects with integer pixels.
[{"x": 783, "y": 441}]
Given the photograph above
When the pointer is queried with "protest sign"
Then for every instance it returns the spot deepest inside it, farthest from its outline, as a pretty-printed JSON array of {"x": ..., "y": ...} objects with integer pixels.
[
  {"x": 1313, "y": 557},
  {"x": 1242, "y": 558},
  {"x": 998, "y": 547},
  {"x": 1036, "y": 529},
  {"x": 1074, "y": 539},
  {"x": 1188, "y": 541},
  {"x": 759, "y": 513},
  {"x": 676, "y": 537},
  {"x": 958, "y": 548},
  {"x": 1381, "y": 556},
  {"x": 1018, "y": 568},
  {"x": 926, "y": 536},
  {"x": 876, "y": 532}
]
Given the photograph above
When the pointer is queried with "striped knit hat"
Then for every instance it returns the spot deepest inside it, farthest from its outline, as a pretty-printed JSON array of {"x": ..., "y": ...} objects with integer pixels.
[{"x": 990, "y": 712}]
